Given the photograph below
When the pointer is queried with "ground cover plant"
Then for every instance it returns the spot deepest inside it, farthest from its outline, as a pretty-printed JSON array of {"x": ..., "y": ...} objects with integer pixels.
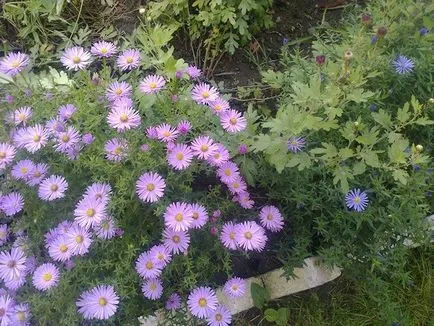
[{"x": 130, "y": 183}]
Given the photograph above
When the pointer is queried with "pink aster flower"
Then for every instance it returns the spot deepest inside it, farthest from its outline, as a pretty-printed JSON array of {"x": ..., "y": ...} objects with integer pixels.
[
  {"x": 243, "y": 198},
  {"x": 180, "y": 157},
  {"x": 152, "y": 289},
  {"x": 21, "y": 315},
  {"x": 59, "y": 250},
  {"x": 152, "y": 84},
  {"x": 233, "y": 121},
  {"x": 45, "y": 277},
  {"x": 13, "y": 63},
  {"x": 204, "y": 94},
  {"x": 103, "y": 49},
  {"x": 235, "y": 287},
  {"x": 52, "y": 188},
  {"x": 173, "y": 302},
  {"x": 161, "y": 255},
  {"x": 12, "y": 203},
  {"x": 89, "y": 212},
  {"x": 106, "y": 229},
  {"x": 228, "y": 234},
  {"x": 66, "y": 112},
  {"x": 78, "y": 239},
  {"x": 202, "y": 301},
  {"x": 98, "y": 191},
  {"x": 100, "y": 302},
  {"x": 203, "y": 147},
  {"x": 23, "y": 170},
  {"x": 22, "y": 115},
  {"x": 35, "y": 138},
  {"x": 200, "y": 216},
  {"x": 129, "y": 59},
  {"x": 219, "y": 106},
  {"x": 178, "y": 216},
  {"x": 237, "y": 186},
  {"x": 221, "y": 316},
  {"x": 37, "y": 174},
  {"x": 176, "y": 241},
  {"x": 147, "y": 267},
  {"x": 116, "y": 149},
  {"x": 4, "y": 232},
  {"x": 16, "y": 282},
  {"x": 193, "y": 71},
  {"x": 75, "y": 58},
  {"x": 55, "y": 126},
  {"x": 150, "y": 187},
  {"x": 117, "y": 90},
  {"x": 12, "y": 264},
  {"x": 87, "y": 139},
  {"x": 7, "y": 306},
  {"x": 7, "y": 154},
  {"x": 228, "y": 172},
  {"x": 250, "y": 236},
  {"x": 123, "y": 118},
  {"x": 271, "y": 218},
  {"x": 67, "y": 139},
  {"x": 183, "y": 127},
  {"x": 166, "y": 132}
]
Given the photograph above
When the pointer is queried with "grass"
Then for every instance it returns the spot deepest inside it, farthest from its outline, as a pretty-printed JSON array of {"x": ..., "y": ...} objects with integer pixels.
[{"x": 381, "y": 302}]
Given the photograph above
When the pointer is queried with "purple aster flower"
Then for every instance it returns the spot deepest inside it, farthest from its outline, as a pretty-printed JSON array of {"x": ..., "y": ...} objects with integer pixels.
[
  {"x": 202, "y": 301},
  {"x": 7, "y": 154},
  {"x": 106, "y": 228},
  {"x": 144, "y": 147},
  {"x": 152, "y": 84},
  {"x": 204, "y": 94},
  {"x": 116, "y": 149},
  {"x": 235, "y": 287},
  {"x": 233, "y": 121},
  {"x": 219, "y": 106},
  {"x": 67, "y": 140},
  {"x": 55, "y": 126},
  {"x": 173, "y": 302},
  {"x": 78, "y": 239},
  {"x": 147, "y": 267},
  {"x": 184, "y": 127},
  {"x": 117, "y": 90},
  {"x": 178, "y": 216},
  {"x": 243, "y": 149},
  {"x": 179, "y": 74},
  {"x": 99, "y": 191},
  {"x": 75, "y": 58},
  {"x": 200, "y": 216},
  {"x": 45, "y": 277},
  {"x": 7, "y": 306},
  {"x": 176, "y": 241},
  {"x": 38, "y": 174},
  {"x": 48, "y": 96},
  {"x": 31, "y": 263},
  {"x": 89, "y": 212},
  {"x": 21, "y": 315},
  {"x": 296, "y": 144},
  {"x": 174, "y": 98},
  {"x": 9, "y": 98},
  {"x": 227, "y": 236},
  {"x": 203, "y": 147},
  {"x": 221, "y": 316},
  {"x": 356, "y": 200},
  {"x": 129, "y": 59},
  {"x": 15, "y": 283},
  {"x": 35, "y": 138},
  {"x": 13, "y": 63},
  {"x": 423, "y": 31},
  {"x": 151, "y": 132},
  {"x": 4, "y": 232},
  {"x": 166, "y": 132},
  {"x": 12, "y": 264},
  {"x": 271, "y": 218},
  {"x": 22, "y": 115},
  {"x": 100, "y": 302},
  {"x": 243, "y": 198},
  {"x": 23, "y": 170},
  {"x": 403, "y": 65},
  {"x": 12, "y": 203},
  {"x": 123, "y": 118},
  {"x": 69, "y": 265},
  {"x": 228, "y": 172},
  {"x": 161, "y": 255},
  {"x": 193, "y": 71},
  {"x": 66, "y": 112},
  {"x": 180, "y": 157},
  {"x": 103, "y": 49},
  {"x": 152, "y": 289},
  {"x": 59, "y": 250},
  {"x": 87, "y": 139},
  {"x": 250, "y": 236},
  {"x": 150, "y": 187},
  {"x": 52, "y": 188},
  {"x": 220, "y": 156}
]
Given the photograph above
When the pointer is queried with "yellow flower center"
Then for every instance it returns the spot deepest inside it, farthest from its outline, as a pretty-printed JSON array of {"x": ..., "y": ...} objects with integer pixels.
[
  {"x": 118, "y": 151},
  {"x": 235, "y": 287},
  {"x": 176, "y": 239},
  {"x": 166, "y": 133},
  {"x": 270, "y": 217},
  {"x": 130, "y": 60},
  {"x": 24, "y": 170},
  {"x": 15, "y": 63},
  {"x": 2, "y": 155},
  {"x": 90, "y": 212},
  {"x": 47, "y": 277},
  {"x": 65, "y": 138},
  {"x": 204, "y": 148},
  {"x": 102, "y": 301},
  {"x": 63, "y": 248},
  {"x": 54, "y": 187},
  {"x": 236, "y": 185},
  {"x": 160, "y": 256},
  {"x": 21, "y": 116},
  {"x": 21, "y": 316},
  {"x": 104, "y": 50},
  {"x": 79, "y": 239},
  {"x": 205, "y": 94},
  {"x": 106, "y": 226},
  {"x": 228, "y": 172},
  {"x": 179, "y": 156},
  {"x": 150, "y": 187},
  {"x": 233, "y": 121},
  {"x": 152, "y": 85},
  {"x": 202, "y": 302},
  {"x": 218, "y": 107},
  {"x": 12, "y": 263},
  {"x": 123, "y": 117},
  {"x": 179, "y": 217},
  {"x": 149, "y": 265},
  {"x": 232, "y": 235},
  {"x": 357, "y": 199},
  {"x": 218, "y": 317},
  {"x": 118, "y": 91},
  {"x": 37, "y": 174},
  {"x": 195, "y": 215},
  {"x": 76, "y": 60},
  {"x": 216, "y": 156},
  {"x": 153, "y": 286},
  {"x": 36, "y": 138},
  {"x": 248, "y": 235}
]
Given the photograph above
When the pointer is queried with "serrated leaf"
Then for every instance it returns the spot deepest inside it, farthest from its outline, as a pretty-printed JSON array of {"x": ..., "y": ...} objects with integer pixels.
[
  {"x": 359, "y": 168},
  {"x": 383, "y": 118},
  {"x": 424, "y": 121},
  {"x": 403, "y": 114},
  {"x": 401, "y": 176},
  {"x": 371, "y": 159},
  {"x": 397, "y": 152}
]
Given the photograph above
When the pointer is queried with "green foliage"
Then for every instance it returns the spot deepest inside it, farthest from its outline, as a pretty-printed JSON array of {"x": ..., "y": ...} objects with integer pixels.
[{"x": 260, "y": 295}]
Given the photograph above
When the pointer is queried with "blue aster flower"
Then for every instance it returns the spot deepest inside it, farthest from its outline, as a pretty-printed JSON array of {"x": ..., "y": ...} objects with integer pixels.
[
  {"x": 296, "y": 144},
  {"x": 423, "y": 31},
  {"x": 356, "y": 200},
  {"x": 403, "y": 65}
]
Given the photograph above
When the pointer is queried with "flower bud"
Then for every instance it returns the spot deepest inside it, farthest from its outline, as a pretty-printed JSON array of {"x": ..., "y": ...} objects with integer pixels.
[
  {"x": 419, "y": 148},
  {"x": 348, "y": 55},
  {"x": 366, "y": 19},
  {"x": 320, "y": 60},
  {"x": 381, "y": 31},
  {"x": 142, "y": 11}
]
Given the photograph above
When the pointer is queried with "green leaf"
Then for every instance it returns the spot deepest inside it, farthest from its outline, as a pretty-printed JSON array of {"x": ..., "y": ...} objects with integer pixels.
[
  {"x": 383, "y": 118},
  {"x": 396, "y": 151},
  {"x": 424, "y": 121},
  {"x": 272, "y": 78},
  {"x": 301, "y": 159},
  {"x": 403, "y": 114},
  {"x": 371, "y": 159},
  {"x": 400, "y": 175},
  {"x": 259, "y": 294},
  {"x": 359, "y": 168},
  {"x": 282, "y": 316},
  {"x": 270, "y": 314}
]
